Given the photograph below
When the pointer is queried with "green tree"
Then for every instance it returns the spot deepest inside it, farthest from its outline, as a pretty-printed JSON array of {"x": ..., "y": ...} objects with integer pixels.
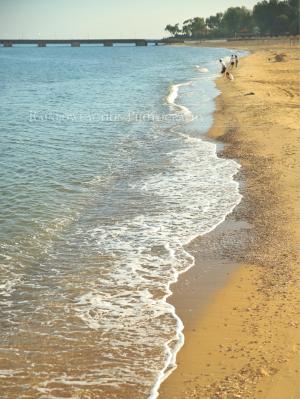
[
  {"x": 195, "y": 27},
  {"x": 294, "y": 16},
  {"x": 267, "y": 17},
  {"x": 187, "y": 27},
  {"x": 214, "y": 21},
  {"x": 174, "y": 30},
  {"x": 281, "y": 24},
  {"x": 276, "y": 17},
  {"x": 262, "y": 16},
  {"x": 198, "y": 27},
  {"x": 237, "y": 20}
]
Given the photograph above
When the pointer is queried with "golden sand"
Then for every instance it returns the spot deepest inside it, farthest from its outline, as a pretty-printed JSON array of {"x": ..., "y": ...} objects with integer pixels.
[{"x": 246, "y": 342}]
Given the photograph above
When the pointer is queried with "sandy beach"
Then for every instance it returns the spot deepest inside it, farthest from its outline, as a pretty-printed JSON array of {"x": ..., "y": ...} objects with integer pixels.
[{"x": 242, "y": 319}]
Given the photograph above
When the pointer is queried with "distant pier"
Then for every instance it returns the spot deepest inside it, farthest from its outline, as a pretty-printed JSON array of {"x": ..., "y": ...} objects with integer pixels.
[{"x": 79, "y": 42}]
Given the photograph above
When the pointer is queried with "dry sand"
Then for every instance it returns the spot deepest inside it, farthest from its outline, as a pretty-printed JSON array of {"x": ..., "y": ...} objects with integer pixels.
[{"x": 245, "y": 342}]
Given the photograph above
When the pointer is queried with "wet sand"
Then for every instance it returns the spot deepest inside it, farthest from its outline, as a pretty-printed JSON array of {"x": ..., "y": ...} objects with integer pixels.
[{"x": 240, "y": 303}]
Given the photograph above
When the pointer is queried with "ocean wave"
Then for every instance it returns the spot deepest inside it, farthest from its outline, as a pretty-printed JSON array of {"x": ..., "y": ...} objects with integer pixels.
[
  {"x": 202, "y": 69},
  {"x": 195, "y": 195},
  {"x": 172, "y": 96}
]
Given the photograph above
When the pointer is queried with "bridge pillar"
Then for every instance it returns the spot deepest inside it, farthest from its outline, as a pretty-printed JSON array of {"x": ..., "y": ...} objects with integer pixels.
[
  {"x": 7, "y": 44},
  {"x": 108, "y": 43},
  {"x": 75, "y": 44},
  {"x": 42, "y": 44}
]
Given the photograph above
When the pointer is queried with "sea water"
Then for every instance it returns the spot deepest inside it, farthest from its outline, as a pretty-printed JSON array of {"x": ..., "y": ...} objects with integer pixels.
[{"x": 105, "y": 176}]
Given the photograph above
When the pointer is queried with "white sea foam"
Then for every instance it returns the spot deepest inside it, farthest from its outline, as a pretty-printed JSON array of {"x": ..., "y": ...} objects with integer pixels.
[
  {"x": 201, "y": 69},
  {"x": 195, "y": 194},
  {"x": 172, "y": 96}
]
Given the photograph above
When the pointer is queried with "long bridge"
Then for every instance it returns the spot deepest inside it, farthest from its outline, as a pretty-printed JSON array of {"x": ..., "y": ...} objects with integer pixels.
[{"x": 79, "y": 42}]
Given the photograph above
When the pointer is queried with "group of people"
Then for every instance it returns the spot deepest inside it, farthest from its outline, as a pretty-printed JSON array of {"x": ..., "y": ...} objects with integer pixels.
[{"x": 225, "y": 71}]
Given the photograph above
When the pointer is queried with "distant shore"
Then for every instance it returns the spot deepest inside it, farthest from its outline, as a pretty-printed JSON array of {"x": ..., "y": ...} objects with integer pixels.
[{"x": 242, "y": 321}]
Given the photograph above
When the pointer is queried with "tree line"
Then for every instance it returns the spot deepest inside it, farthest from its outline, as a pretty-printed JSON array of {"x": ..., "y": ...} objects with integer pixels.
[{"x": 273, "y": 17}]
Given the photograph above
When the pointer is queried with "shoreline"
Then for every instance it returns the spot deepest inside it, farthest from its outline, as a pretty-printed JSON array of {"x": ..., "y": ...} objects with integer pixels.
[
  {"x": 221, "y": 316},
  {"x": 171, "y": 364}
]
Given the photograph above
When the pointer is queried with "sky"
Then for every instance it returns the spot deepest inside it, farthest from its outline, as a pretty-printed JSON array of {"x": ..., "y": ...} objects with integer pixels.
[{"x": 101, "y": 19}]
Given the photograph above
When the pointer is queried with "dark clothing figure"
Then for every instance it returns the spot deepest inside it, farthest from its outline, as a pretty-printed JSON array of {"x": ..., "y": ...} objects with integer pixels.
[
  {"x": 223, "y": 67},
  {"x": 236, "y": 61}
]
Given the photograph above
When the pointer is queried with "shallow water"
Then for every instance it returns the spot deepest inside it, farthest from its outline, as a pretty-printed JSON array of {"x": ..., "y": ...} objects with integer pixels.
[{"x": 104, "y": 178}]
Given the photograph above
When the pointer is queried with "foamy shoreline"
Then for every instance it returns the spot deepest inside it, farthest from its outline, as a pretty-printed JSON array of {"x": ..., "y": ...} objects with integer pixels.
[{"x": 171, "y": 364}]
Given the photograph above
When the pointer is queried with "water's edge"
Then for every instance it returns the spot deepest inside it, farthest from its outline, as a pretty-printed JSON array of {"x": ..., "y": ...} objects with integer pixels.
[{"x": 171, "y": 364}]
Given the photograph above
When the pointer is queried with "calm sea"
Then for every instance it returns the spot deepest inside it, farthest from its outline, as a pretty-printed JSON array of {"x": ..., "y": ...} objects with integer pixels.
[{"x": 104, "y": 179}]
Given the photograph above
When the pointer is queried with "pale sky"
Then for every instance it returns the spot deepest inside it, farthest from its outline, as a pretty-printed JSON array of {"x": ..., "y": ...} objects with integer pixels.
[{"x": 63, "y": 19}]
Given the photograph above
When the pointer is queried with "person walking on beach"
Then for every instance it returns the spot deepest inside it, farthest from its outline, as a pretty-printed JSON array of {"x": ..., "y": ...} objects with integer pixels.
[
  {"x": 223, "y": 67},
  {"x": 236, "y": 61}
]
